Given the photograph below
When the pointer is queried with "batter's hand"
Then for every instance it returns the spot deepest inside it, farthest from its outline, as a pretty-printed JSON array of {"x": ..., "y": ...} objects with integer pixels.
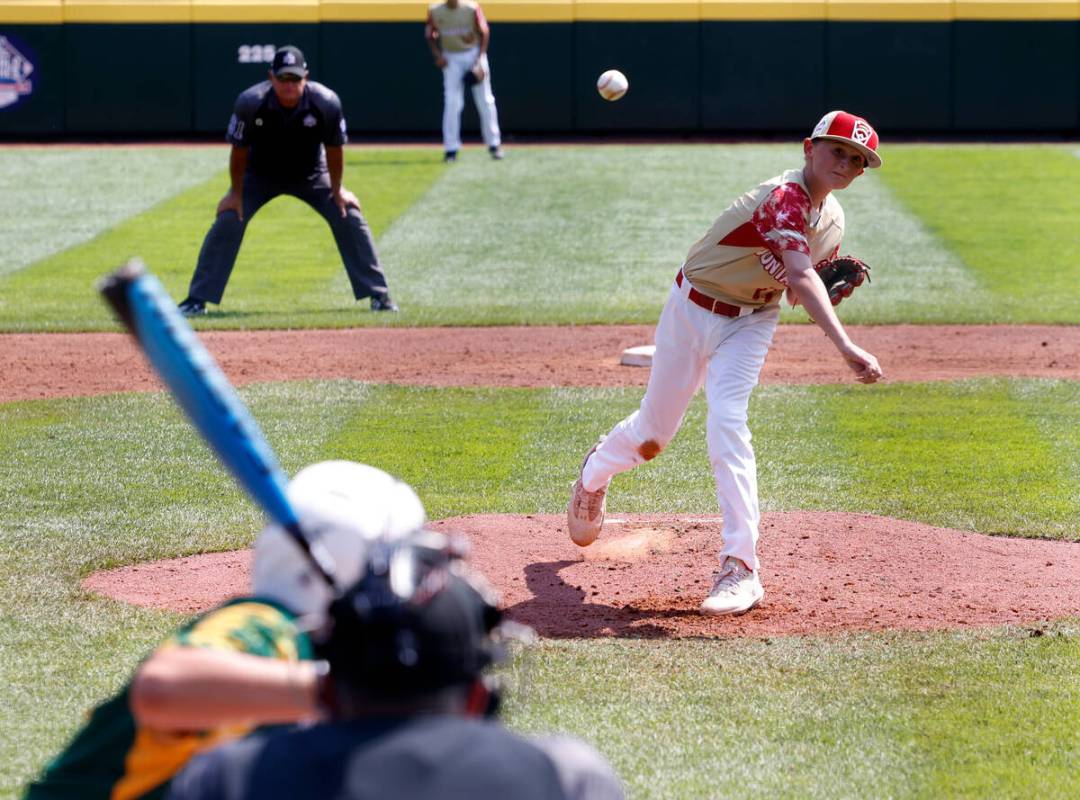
[
  {"x": 862, "y": 363},
  {"x": 343, "y": 199},
  {"x": 232, "y": 201}
]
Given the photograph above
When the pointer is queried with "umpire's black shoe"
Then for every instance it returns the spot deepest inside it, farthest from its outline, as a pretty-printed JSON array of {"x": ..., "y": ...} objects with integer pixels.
[
  {"x": 497, "y": 152},
  {"x": 383, "y": 303},
  {"x": 192, "y": 307},
  {"x": 450, "y": 156}
]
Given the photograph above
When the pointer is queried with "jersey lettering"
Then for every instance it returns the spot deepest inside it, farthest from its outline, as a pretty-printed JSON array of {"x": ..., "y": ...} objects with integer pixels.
[{"x": 774, "y": 266}]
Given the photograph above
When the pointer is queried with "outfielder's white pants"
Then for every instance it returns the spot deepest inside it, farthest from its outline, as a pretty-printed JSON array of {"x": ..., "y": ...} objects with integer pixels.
[
  {"x": 457, "y": 64},
  {"x": 695, "y": 346}
]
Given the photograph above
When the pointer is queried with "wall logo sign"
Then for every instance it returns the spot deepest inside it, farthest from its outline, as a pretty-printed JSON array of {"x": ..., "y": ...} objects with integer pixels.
[{"x": 15, "y": 70}]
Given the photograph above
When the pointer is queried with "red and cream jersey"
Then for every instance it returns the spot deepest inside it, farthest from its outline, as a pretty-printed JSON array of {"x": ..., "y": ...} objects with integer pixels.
[
  {"x": 459, "y": 28},
  {"x": 740, "y": 259}
]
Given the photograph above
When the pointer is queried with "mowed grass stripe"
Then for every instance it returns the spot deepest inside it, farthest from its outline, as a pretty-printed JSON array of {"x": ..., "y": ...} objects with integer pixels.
[
  {"x": 459, "y": 447},
  {"x": 960, "y": 455},
  {"x": 1052, "y": 407},
  {"x": 595, "y": 234},
  {"x": 900, "y": 715},
  {"x": 567, "y": 234},
  {"x": 288, "y": 263},
  {"x": 913, "y": 275},
  {"x": 1008, "y": 212},
  {"x": 995, "y": 712},
  {"x": 58, "y": 197},
  {"x": 56, "y": 670},
  {"x": 94, "y": 483}
]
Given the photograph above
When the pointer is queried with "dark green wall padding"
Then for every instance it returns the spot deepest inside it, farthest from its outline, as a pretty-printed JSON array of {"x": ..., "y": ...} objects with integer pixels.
[{"x": 960, "y": 76}]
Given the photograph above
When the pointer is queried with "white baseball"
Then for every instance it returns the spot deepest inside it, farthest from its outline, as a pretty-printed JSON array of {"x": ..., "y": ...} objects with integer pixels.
[{"x": 612, "y": 85}]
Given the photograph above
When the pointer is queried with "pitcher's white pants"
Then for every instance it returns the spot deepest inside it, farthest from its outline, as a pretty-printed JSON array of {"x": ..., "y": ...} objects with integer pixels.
[
  {"x": 695, "y": 346},
  {"x": 457, "y": 64}
]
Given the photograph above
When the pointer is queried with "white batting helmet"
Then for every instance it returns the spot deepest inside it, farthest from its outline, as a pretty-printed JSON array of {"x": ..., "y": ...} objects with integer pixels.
[{"x": 344, "y": 505}]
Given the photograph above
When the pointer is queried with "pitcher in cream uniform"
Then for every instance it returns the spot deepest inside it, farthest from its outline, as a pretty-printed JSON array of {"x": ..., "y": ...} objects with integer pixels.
[
  {"x": 458, "y": 36},
  {"x": 715, "y": 330}
]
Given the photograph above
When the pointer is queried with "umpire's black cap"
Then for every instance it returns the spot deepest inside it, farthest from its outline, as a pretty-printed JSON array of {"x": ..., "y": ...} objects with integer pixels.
[
  {"x": 414, "y": 623},
  {"x": 288, "y": 60}
]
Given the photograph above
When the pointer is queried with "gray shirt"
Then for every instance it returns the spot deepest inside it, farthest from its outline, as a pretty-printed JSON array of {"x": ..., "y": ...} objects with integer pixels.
[{"x": 444, "y": 756}]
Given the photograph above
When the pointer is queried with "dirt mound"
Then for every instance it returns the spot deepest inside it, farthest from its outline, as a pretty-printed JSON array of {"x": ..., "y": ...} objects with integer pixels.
[{"x": 647, "y": 574}]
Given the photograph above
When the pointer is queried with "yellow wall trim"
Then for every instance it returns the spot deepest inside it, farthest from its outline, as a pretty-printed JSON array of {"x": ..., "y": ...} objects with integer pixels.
[
  {"x": 1017, "y": 9},
  {"x": 255, "y": 10},
  {"x": 52, "y": 12},
  {"x": 127, "y": 11},
  {"x": 528, "y": 10},
  {"x": 31, "y": 12},
  {"x": 373, "y": 10},
  {"x": 890, "y": 10},
  {"x": 764, "y": 10},
  {"x": 636, "y": 10}
]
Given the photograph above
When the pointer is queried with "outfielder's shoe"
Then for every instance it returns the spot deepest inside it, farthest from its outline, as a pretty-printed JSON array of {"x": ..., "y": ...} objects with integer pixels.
[
  {"x": 450, "y": 156},
  {"x": 497, "y": 152},
  {"x": 735, "y": 591},
  {"x": 383, "y": 303},
  {"x": 192, "y": 307},
  {"x": 585, "y": 514}
]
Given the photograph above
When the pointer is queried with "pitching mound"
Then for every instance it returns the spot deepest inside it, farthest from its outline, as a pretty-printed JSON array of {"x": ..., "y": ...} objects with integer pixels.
[{"x": 647, "y": 574}]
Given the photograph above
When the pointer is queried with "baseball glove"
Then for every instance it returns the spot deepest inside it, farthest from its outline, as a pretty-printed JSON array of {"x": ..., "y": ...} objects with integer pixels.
[
  {"x": 841, "y": 275},
  {"x": 473, "y": 76}
]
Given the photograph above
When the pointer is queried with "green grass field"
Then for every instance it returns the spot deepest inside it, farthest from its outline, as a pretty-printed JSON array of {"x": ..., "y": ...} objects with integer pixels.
[{"x": 555, "y": 235}]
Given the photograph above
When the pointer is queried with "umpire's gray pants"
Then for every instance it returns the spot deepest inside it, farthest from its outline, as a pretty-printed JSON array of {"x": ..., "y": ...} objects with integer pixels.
[{"x": 351, "y": 233}]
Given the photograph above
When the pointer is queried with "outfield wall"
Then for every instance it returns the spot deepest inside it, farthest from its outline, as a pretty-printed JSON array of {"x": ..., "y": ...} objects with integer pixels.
[{"x": 173, "y": 67}]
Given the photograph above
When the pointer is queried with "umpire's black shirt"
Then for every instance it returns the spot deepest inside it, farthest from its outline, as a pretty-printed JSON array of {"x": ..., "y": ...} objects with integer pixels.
[{"x": 287, "y": 144}]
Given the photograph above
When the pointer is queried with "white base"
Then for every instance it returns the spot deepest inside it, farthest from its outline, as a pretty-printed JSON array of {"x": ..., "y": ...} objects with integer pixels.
[{"x": 640, "y": 356}]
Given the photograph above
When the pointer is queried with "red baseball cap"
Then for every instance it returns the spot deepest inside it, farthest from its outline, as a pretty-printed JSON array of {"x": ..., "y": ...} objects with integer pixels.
[{"x": 843, "y": 127}]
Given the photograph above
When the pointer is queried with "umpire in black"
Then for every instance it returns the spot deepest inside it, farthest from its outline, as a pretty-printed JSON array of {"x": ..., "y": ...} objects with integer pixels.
[
  {"x": 287, "y": 135},
  {"x": 410, "y": 713}
]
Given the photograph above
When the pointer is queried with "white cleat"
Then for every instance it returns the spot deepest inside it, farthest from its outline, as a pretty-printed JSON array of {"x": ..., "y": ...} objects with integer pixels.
[
  {"x": 585, "y": 514},
  {"x": 735, "y": 591}
]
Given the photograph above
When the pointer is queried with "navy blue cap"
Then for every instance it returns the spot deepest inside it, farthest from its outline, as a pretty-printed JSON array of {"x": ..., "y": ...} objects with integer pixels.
[{"x": 288, "y": 60}]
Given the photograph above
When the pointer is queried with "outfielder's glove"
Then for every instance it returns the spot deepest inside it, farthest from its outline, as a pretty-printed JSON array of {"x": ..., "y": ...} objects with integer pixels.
[
  {"x": 473, "y": 76},
  {"x": 841, "y": 275}
]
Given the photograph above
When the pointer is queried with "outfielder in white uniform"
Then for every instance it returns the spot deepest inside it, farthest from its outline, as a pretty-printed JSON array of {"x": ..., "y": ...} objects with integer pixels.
[
  {"x": 715, "y": 330},
  {"x": 458, "y": 36}
]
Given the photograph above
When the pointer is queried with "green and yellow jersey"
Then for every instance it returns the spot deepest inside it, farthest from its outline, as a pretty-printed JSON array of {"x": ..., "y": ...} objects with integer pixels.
[{"x": 112, "y": 758}]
